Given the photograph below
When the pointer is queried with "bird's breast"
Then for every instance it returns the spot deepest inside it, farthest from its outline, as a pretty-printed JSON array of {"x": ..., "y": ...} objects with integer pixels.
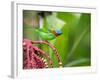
[{"x": 54, "y": 32}]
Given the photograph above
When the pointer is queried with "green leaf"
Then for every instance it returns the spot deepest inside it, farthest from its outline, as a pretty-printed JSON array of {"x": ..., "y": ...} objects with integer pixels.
[
  {"x": 76, "y": 62},
  {"x": 76, "y": 43}
]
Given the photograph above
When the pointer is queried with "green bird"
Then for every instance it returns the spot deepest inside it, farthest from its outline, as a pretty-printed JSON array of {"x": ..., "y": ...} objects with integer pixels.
[
  {"x": 53, "y": 28},
  {"x": 47, "y": 34}
]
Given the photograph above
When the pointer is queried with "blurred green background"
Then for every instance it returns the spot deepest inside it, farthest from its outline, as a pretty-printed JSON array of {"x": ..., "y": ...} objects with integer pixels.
[{"x": 73, "y": 46}]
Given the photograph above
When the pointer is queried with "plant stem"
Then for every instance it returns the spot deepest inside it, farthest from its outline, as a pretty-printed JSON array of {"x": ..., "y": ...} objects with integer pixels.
[{"x": 52, "y": 47}]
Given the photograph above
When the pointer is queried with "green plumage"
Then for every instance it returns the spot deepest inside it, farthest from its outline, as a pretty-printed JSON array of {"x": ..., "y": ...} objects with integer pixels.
[{"x": 44, "y": 34}]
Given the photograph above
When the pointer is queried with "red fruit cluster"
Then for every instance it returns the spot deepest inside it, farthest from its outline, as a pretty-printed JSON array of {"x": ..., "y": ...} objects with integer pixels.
[{"x": 30, "y": 58}]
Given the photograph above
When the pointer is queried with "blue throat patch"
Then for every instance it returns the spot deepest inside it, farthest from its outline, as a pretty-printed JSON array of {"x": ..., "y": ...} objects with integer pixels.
[{"x": 58, "y": 32}]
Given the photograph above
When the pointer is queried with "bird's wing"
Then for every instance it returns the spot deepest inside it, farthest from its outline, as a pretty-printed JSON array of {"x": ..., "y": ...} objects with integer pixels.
[{"x": 44, "y": 35}]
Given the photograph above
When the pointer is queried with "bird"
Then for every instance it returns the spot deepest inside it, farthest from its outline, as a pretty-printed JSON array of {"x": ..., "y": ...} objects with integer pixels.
[
  {"x": 53, "y": 28},
  {"x": 48, "y": 34}
]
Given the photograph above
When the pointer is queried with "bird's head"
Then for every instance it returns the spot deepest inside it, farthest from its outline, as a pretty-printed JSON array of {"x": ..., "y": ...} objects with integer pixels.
[{"x": 57, "y": 32}]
